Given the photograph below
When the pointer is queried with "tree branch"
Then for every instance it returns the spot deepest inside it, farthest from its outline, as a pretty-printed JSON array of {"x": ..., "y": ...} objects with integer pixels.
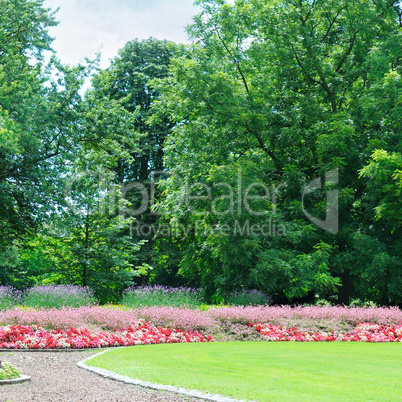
[
  {"x": 234, "y": 60},
  {"x": 331, "y": 24},
  {"x": 351, "y": 44}
]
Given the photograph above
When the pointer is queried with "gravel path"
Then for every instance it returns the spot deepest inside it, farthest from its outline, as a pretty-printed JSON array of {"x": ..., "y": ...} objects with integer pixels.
[{"x": 56, "y": 378}]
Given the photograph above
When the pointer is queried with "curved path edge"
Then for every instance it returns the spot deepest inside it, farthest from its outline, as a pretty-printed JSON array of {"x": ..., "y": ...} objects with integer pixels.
[
  {"x": 128, "y": 380},
  {"x": 18, "y": 380}
]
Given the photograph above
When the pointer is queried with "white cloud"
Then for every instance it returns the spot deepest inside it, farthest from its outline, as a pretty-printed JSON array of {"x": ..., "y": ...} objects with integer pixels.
[{"x": 87, "y": 25}]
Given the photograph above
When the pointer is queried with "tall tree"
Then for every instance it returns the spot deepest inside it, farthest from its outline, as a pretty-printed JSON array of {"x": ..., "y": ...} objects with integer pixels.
[
  {"x": 127, "y": 81},
  {"x": 87, "y": 241},
  {"x": 286, "y": 91},
  {"x": 38, "y": 115},
  {"x": 46, "y": 132}
]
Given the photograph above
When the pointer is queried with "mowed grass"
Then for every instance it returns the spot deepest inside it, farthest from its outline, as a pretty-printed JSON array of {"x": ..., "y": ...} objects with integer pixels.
[{"x": 268, "y": 371}]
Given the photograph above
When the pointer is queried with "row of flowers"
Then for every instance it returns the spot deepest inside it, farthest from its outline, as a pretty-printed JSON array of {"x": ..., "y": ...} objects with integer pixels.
[
  {"x": 144, "y": 333},
  {"x": 364, "y": 332},
  {"x": 141, "y": 333},
  {"x": 109, "y": 318}
]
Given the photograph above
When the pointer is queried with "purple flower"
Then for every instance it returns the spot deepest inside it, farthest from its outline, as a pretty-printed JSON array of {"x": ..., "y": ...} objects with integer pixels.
[
  {"x": 9, "y": 297},
  {"x": 59, "y": 296},
  {"x": 148, "y": 296}
]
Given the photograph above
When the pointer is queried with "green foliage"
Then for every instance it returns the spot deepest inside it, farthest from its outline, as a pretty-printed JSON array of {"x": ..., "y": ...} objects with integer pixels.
[
  {"x": 7, "y": 303},
  {"x": 40, "y": 119},
  {"x": 9, "y": 297},
  {"x": 284, "y": 92},
  {"x": 248, "y": 298},
  {"x": 8, "y": 371},
  {"x": 38, "y": 122},
  {"x": 384, "y": 172},
  {"x": 126, "y": 84},
  {"x": 51, "y": 144},
  {"x": 206, "y": 307},
  {"x": 360, "y": 303},
  {"x": 89, "y": 243},
  {"x": 149, "y": 296},
  {"x": 58, "y": 297}
]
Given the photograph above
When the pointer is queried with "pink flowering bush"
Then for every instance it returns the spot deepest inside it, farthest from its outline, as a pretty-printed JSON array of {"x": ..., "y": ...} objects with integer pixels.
[
  {"x": 141, "y": 333},
  {"x": 279, "y": 314},
  {"x": 94, "y": 317},
  {"x": 106, "y": 318},
  {"x": 184, "y": 318},
  {"x": 313, "y": 318}
]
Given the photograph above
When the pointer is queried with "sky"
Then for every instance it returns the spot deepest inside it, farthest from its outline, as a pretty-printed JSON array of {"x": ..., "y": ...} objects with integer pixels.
[{"x": 89, "y": 26}]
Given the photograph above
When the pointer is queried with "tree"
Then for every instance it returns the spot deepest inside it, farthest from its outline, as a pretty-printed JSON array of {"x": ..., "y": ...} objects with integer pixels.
[
  {"x": 47, "y": 132},
  {"x": 38, "y": 116},
  {"x": 127, "y": 81},
  {"x": 384, "y": 172},
  {"x": 286, "y": 91},
  {"x": 87, "y": 241}
]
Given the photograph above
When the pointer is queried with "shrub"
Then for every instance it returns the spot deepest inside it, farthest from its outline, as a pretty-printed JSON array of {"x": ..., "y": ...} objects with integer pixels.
[
  {"x": 58, "y": 296},
  {"x": 174, "y": 317},
  {"x": 161, "y": 296},
  {"x": 308, "y": 318},
  {"x": 106, "y": 318},
  {"x": 9, "y": 297},
  {"x": 323, "y": 303},
  {"x": 206, "y": 307},
  {"x": 360, "y": 303},
  {"x": 8, "y": 371},
  {"x": 248, "y": 298},
  {"x": 91, "y": 317}
]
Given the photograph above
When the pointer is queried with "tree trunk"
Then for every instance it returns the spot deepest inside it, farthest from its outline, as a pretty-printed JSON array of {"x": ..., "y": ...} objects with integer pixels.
[{"x": 86, "y": 253}]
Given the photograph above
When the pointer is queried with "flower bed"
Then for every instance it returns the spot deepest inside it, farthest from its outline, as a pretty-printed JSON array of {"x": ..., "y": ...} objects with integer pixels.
[
  {"x": 151, "y": 296},
  {"x": 285, "y": 315},
  {"x": 308, "y": 319},
  {"x": 97, "y": 318},
  {"x": 364, "y": 332},
  {"x": 142, "y": 333},
  {"x": 96, "y": 326}
]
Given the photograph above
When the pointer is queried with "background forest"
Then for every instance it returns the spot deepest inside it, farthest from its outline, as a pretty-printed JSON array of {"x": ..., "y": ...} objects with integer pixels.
[{"x": 189, "y": 164}]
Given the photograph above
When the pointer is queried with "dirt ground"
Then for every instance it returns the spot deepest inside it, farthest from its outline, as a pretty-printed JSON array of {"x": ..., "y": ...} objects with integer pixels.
[{"x": 56, "y": 378}]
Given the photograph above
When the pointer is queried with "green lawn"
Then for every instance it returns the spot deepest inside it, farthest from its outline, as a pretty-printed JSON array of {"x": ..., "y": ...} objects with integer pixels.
[{"x": 268, "y": 371}]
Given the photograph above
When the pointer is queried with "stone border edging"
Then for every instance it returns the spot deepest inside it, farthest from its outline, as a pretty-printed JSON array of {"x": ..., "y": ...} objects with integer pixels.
[
  {"x": 127, "y": 380},
  {"x": 19, "y": 380}
]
